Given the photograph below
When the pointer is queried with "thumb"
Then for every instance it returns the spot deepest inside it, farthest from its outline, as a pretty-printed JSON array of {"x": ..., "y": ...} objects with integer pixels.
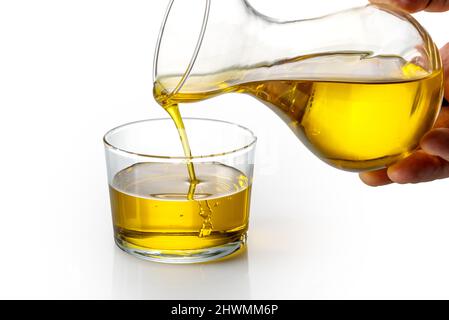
[{"x": 417, "y": 5}]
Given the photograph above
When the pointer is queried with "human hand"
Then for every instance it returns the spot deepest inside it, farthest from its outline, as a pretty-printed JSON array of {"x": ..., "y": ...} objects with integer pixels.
[{"x": 431, "y": 160}]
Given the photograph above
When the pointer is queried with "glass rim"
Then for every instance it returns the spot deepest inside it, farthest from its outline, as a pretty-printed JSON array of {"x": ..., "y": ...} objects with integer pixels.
[{"x": 110, "y": 145}]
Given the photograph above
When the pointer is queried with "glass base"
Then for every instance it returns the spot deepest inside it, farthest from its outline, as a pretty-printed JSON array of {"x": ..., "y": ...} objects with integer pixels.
[{"x": 183, "y": 256}]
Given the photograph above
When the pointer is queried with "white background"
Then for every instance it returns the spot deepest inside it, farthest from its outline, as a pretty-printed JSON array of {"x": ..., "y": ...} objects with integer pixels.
[{"x": 70, "y": 70}]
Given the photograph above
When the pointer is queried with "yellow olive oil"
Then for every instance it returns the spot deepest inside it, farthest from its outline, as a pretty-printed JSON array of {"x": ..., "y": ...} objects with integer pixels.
[
  {"x": 151, "y": 208},
  {"x": 355, "y": 124}
]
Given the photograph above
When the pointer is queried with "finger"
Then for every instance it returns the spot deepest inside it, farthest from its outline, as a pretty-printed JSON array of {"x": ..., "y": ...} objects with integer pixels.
[
  {"x": 375, "y": 178},
  {"x": 418, "y": 167},
  {"x": 436, "y": 143},
  {"x": 417, "y": 5},
  {"x": 444, "y": 52},
  {"x": 435, "y": 5}
]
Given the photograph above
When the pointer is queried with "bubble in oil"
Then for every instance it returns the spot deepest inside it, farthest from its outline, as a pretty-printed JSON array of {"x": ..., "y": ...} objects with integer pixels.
[{"x": 206, "y": 214}]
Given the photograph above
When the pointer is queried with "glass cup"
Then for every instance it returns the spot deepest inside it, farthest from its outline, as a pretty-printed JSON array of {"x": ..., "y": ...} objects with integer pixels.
[{"x": 158, "y": 213}]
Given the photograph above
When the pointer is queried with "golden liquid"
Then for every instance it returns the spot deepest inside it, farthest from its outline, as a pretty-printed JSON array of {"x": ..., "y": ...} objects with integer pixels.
[
  {"x": 354, "y": 125},
  {"x": 151, "y": 210},
  {"x": 173, "y": 111},
  {"x": 203, "y": 210}
]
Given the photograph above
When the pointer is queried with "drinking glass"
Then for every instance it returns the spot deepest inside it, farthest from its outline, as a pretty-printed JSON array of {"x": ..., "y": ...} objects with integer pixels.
[{"x": 158, "y": 213}]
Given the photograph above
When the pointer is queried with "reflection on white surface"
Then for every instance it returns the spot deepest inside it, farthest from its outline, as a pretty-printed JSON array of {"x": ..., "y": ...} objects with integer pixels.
[{"x": 134, "y": 278}]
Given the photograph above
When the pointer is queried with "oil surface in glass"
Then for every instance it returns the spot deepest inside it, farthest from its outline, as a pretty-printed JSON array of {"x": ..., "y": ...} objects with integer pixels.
[{"x": 151, "y": 208}]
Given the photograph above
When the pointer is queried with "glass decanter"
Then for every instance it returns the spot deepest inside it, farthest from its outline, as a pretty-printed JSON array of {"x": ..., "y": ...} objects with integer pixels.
[{"x": 358, "y": 87}]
